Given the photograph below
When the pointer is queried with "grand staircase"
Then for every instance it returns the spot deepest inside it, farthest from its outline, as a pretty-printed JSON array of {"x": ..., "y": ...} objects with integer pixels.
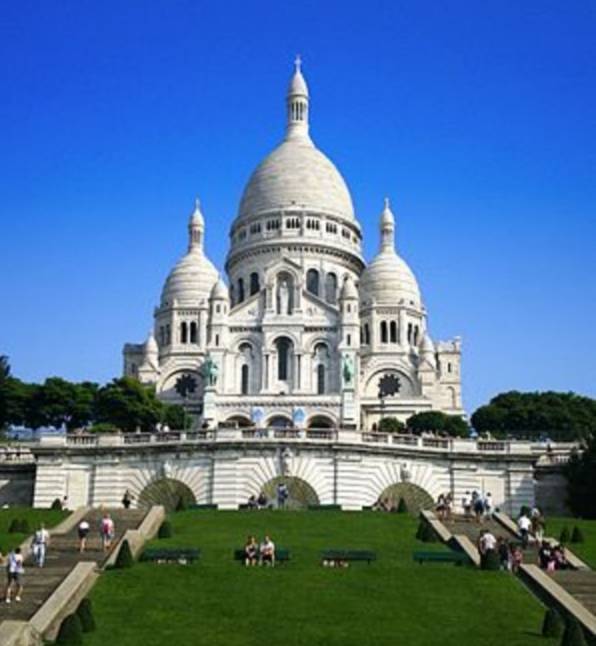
[{"x": 63, "y": 554}]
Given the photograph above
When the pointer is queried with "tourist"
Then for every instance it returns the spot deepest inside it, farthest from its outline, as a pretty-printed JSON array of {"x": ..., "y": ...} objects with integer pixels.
[
  {"x": 107, "y": 531},
  {"x": 267, "y": 552},
  {"x": 440, "y": 508},
  {"x": 251, "y": 551},
  {"x": 559, "y": 557},
  {"x": 252, "y": 502},
  {"x": 538, "y": 526},
  {"x": 517, "y": 556},
  {"x": 488, "y": 505},
  {"x": 466, "y": 503},
  {"x": 448, "y": 505},
  {"x": 262, "y": 501},
  {"x": 486, "y": 542},
  {"x": 524, "y": 524},
  {"x": 546, "y": 558},
  {"x": 282, "y": 494},
  {"x": 127, "y": 499},
  {"x": 15, "y": 571},
  {"x": 504, "y": 551},
  {"x": 478, "y": 507},
  {"x": 83, "y": 531},
  {"x": 41, "y": 541}
]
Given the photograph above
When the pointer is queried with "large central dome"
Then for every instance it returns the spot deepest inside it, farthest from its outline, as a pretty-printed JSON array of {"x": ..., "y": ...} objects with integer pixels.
[{"x": 296, "y": 174}]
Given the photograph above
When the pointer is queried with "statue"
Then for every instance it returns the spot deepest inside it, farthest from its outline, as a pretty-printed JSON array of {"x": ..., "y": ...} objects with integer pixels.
[
  {"x": 347, "y": 369},
  {"x": 285, "y": 459},
  {"x": 283, "y": 297},
  {"x": 210, "y": 370},
  {"x": 405, "y": 473}
]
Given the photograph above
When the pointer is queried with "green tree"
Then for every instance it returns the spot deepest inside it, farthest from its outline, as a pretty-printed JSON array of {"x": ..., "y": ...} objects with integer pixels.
[
  {"x": 58, "y": 402},
  {"x": 175, "y": 417},
  {"x": 581, "y": 476},
  {"x": 452, "y": 425},
  {"x": 128, "y": 405},
  {"x": 4, "y": 368},
  {"x": 16, "y": 401},
  {"x": 391, "y": 425},
  {"x": 561, "y": 416}
]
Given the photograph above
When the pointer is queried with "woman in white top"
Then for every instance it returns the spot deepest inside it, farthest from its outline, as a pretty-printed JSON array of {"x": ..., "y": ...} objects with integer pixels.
[{"x": 14, "y": 572}]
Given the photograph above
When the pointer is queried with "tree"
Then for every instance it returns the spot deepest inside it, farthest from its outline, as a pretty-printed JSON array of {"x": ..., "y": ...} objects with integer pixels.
[
  {"x": 175, "y": 417},
  {"x": 128, "y": 404},
  {"x": 15, "y": 401},
  {"x": 560, "y": 416},
  {"x": 4, "y": 368},
  {"x": 581, "y": 476},
  {"x": 437, "y": 421},
  {"x": 58, "y": 402},
  {"x": 391, "y": 425}
]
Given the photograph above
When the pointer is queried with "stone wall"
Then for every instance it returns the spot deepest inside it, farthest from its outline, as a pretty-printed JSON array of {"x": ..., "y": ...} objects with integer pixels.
[
  {"x": 551, "y": 491},
  {"x": 16, "y": 484}
]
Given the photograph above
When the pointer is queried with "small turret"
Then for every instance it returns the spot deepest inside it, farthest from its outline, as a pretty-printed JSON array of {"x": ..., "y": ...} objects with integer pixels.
[
  {"x": 196, "y": 228},
  {"x": 297, "y": 104},
  {"x": 387, "y": 228}
]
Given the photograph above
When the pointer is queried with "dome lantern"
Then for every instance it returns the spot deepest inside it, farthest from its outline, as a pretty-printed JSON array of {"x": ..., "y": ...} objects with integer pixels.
[
  {"x": 387, "y": 228},
  {"x": 297, "y": 105},
  {"x": 196, "y": 227}
]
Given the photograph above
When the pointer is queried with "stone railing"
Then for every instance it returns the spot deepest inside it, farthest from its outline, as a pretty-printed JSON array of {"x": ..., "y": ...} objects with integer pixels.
[
  {"x": 554, "y": 454},
  {"x": 15, "y": 455}
]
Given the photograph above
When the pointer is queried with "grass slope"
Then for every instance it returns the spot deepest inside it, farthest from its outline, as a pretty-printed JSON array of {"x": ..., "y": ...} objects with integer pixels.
[
  {"x": 585, "y": 550},
  {"x": 50, "y": 517},
  {"x": 393, "y": 601}
]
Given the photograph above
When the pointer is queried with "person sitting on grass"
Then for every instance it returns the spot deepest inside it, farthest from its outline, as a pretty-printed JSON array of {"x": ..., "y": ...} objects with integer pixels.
[
  {"x": 268, "y": 552},
  {"x": 251, "y": 551},
  {"x": 252, "y": 502},
  {"x": 262, "y": 501}
]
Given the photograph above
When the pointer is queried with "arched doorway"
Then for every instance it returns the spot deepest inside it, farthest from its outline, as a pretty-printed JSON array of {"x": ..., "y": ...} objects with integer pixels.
[
  {"x": 239, "y": 421},
  {"x": 320, "y": 421},
  {"x": 301, "y": 494},
  {"x": 415, "y": 497},
  {"x": 279, "y": 421},
  {"x": 167, "y": 492}
]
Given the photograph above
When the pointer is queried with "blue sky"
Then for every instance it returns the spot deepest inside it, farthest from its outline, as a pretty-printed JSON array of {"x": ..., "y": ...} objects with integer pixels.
[{"x": 477, "y": 119}]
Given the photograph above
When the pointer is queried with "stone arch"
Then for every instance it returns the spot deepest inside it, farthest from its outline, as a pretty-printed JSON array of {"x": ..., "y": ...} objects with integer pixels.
[
  {"x": 321, "y": 421},
  {"x": 279, "y": 420},
  {"x": 301, "y": 494},
  {"x": 415, "y": 497},
  {"x": 240, "y": 420},
  {"x": 167, "y": 492},
  {"x": 409, "y": 384}
]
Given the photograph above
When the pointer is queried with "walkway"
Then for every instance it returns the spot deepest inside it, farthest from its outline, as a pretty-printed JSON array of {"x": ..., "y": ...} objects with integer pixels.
[{"x": 62, "y": 556}]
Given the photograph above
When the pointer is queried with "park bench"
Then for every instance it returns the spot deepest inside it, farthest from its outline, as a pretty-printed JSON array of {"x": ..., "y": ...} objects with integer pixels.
[
  {"x": 171, "y": 555},
  {"x": 281, "y": 555},
  {"x": 348, "y": 555},
  {"x": 458, "y": 558},
  {"x": 324, "y": 507},
  {"x": 202, "y": 506}
]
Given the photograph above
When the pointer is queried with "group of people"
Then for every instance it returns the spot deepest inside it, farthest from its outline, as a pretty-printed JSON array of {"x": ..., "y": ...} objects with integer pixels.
[
  {"x": 14, "y": 560},
  {"x": 256, "y": 553},
  {"x": 384, "y": 504},
  {"x": 531, "y": 526},
  {"x": 510, "y": 554},
  {"x": 262, "y": 502},
  {"x": 444, "y": 506},
  {"x": 477, "y": 505}
]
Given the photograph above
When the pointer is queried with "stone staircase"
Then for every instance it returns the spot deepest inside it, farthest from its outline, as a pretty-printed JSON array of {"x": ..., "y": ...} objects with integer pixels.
[
  {"x": 580, "y": 584},
  {"x": 63, "y": 554}
]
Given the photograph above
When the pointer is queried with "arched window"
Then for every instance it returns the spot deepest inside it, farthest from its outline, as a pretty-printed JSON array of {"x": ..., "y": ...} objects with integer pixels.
[
  {"x": 312, "y": 281},
  {"x": 331, "y": 288},
  {"x": 193, "y": 332},
  {"x": 244, "y": 375},
  {"x": 254, "y": 283},
  {"x": 366, "y": 334},
  {"x": 283, "y": 358},
  {"x": 393, "y": 332},
  {"x": 320, "y": 379},
  {"x": 168, "y": 335},
  {"x": 409, "y": 333},
  {"x": 183, "y": 332},
  {"x": 383, "y": 331},
  {"x": 240, "y": 290},
  {"x": 416, "y": 330},
  {"x": 162, "y": 335}
]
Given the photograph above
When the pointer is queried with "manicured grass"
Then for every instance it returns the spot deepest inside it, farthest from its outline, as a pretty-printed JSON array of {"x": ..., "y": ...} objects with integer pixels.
[
  {"x": 393, "y": 601},
  {"x": 50, "y": 517},
  {"x": 585, "y": 550}
]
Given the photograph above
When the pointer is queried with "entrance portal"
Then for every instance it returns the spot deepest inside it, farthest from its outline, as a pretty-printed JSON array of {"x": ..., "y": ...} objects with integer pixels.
[
  {"x": 167, "y": 492},
  {"x": 300, "y": 493}
]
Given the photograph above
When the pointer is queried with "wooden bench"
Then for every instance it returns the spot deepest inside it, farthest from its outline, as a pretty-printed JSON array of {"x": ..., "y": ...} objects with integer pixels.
[
  {"x": 281, "y": 555},
  {"x": 348, "y": 555},
  {"x": 458, "y": 558},
  {"x": 171, "y": 555}
]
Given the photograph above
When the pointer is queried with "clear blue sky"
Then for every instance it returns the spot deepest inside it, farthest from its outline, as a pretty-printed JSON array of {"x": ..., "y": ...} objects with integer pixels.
[{"x": 477, "y": 119}]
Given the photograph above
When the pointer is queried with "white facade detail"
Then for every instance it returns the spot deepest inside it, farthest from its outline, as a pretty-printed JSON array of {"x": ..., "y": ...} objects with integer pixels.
[{"x": 304, "y": 330}]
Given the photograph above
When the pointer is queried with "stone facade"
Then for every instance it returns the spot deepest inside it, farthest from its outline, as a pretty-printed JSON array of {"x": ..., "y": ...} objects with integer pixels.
[{"x": 306, "y": 331}]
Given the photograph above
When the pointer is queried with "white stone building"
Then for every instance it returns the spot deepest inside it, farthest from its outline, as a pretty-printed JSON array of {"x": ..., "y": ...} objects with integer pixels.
[{"x": 307, "y": 329}]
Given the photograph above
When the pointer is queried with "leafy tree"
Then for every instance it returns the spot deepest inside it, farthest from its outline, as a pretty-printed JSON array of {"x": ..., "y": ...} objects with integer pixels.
[
  {"x": 391, "y": 425},
  {"x": 561, "y": 416},
  {"x": 128, "y": 404},
  {"x": 175, "y": 417},
  {"x": 452, "y": 425},
  {"x": 59, "y": 402},
  {"x": 15, "y": 401},
  {"x": 581, "y": 476}
]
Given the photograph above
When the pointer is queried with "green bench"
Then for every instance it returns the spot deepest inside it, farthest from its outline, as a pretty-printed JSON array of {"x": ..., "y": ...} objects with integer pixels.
[
  {"x": 281, "y": 555},
  {"x": 324, "y": 508},
  {"x": 202, "y": 506},
  {"x": 348, "y": 555},
  {"x": 171, "y": 555},
  {"x": 458, "y": 558}
]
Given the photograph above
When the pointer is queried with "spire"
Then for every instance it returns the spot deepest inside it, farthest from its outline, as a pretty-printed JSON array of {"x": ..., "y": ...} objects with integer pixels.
[
  {"x": 297, "y": 104},
  {"x": 387, "y": 228},
  {"x": 196, "y": 227}
]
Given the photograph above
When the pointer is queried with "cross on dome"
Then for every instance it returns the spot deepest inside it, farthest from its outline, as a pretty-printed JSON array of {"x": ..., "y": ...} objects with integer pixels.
[{"x": 298, "y": 63}]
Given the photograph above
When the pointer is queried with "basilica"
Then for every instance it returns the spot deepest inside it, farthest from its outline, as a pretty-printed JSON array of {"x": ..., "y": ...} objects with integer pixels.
[{"x": 305, "y": 333}]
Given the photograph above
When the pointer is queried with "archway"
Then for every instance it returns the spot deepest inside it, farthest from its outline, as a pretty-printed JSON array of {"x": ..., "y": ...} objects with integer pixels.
[
  {"x": 279, "y": 421},
  {"x": 320, "y": 421},
  {"x": 238, "y": 420},
  {"x": 415, "y": 497},
  {"x": 301, "y": 494},
  {"x": 167, "y": 492}
]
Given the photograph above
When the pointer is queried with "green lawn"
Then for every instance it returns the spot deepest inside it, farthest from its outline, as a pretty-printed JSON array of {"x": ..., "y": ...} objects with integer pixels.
[
  {"x": 393, "y": 601},
  {"x": 585, "y": 550},
  {"x": 50, "y": 517}
]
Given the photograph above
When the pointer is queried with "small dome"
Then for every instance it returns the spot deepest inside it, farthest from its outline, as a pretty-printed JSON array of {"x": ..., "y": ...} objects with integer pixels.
[
  {"x": 191, "y": 280},
  {"x": 296, "y": 175},
  {"x": 348, "y": 289},
  {"x": 387, "y": 218},
  {"x": 196, "y": 217},
  {"x": 151, "y": 347},
  {"x": 220, "y": 291},
  {"x": 388, "y": 280}
]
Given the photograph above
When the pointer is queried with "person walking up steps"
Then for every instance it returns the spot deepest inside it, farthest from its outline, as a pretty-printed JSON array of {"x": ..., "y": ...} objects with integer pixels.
[
  {"x": 14, "y": 571},
  {"x": 41, "y": 541},
  {"x": 83, "y": 531},
  {"x": 107, "y": 532}
]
